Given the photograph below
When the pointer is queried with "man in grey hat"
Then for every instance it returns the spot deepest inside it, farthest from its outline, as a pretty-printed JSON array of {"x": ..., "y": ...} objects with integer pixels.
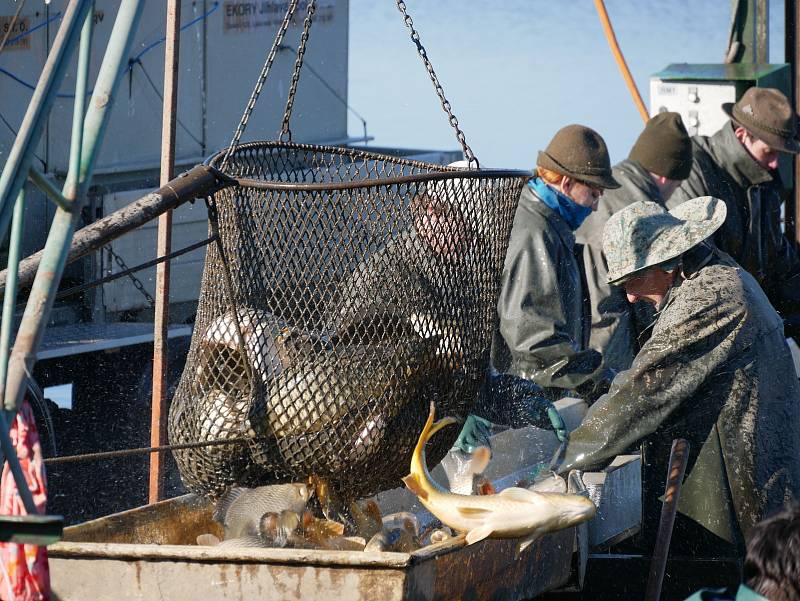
[
  {"x": 715, "y": 371},
  {"x": 660, "y": 159},
  {"x": 739, "y": 164},
  {"x": 543, "y": 329}
]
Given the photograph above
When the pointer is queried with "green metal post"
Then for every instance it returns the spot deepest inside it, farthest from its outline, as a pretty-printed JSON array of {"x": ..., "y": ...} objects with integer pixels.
[
  {"x": 753, "y": 31},
  {"x": 15, "y": 170},
  {"x": 81, "y": 84},
  {"x": 10, "y": 297},
  {"x": 14, "y": 251},
  {"x": 45, "y": 285}
]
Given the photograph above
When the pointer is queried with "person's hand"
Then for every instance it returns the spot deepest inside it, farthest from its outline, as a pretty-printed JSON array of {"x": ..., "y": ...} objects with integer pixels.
[
  {"x": 557, "y": 422},
  {"x": 475, "y": 433}
]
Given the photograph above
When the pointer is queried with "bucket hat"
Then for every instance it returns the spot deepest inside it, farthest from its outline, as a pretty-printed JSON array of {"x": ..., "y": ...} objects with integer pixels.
[
  {"x": 579, "y": 152},
  {"x": 645, "y": 234},
  {"x": 767, "y": 114}
]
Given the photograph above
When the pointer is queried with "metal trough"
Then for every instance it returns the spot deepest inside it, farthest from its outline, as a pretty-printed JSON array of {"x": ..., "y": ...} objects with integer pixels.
[
  {"x": 150, "y": 552},
  {"x": 147, "y": 553}
]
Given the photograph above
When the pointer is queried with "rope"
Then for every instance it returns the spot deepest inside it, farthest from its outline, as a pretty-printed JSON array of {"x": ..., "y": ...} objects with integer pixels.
[
  {"x": 298, "y": 64},
  {"x": 143, "y": 450},
  {"x": 618, "y": 56},
  {"x": 129, "y": 271},
  {"x": 468, "y": 154},
  {"x": 262, "y": 77}
]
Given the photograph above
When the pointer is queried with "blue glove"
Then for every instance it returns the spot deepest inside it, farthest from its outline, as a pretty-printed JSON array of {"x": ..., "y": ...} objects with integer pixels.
[
  {"x": 559, "y": 427},
  {"x": 474, "y": 434}
]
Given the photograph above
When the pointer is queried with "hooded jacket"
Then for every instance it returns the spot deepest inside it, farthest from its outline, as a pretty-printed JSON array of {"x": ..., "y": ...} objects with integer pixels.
[
  {"x": 543, "y": 324},
  {"x": 616, "y": 324},
  {"x": 716, "y": 371},
  {"x": 752, "y": 231}
]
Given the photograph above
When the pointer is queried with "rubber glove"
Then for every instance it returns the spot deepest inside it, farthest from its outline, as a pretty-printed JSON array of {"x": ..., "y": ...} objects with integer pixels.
[
  {"x": 475, "y": 433},
  {"x": 518, "y": 402}
]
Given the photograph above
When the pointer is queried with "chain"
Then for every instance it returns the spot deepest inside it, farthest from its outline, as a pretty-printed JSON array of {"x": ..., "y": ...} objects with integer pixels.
[
  {"x": 137, "y": 283},
  {"x": 468, "y": 154},
  {"x": 298, "y": 64},
  {"x": 251, "y": 103}
]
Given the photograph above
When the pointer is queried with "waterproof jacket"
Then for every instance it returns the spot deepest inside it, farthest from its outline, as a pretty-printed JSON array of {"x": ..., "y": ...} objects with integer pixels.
[
  {"x": 717, "y": 372},
  {"x": 752, "y": 230},
  {"x": 543, "y": 329},
  {"x": 616, "y": 324}
]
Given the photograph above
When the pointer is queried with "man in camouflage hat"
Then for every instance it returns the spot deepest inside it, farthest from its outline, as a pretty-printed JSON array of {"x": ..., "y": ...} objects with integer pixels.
[
  {"x": 739, "y": 164},
  {"x": 715, "y": 371},
  {"x": 660, "y": 159},
  {"x": 543, "y": 329}
]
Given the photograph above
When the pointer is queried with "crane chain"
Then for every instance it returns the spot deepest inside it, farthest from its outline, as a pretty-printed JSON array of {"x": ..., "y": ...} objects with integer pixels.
[
  {"x": 251, "y": 103},
  {"x": 468, "y": 154},
  {"x": 298, "y": 64}
]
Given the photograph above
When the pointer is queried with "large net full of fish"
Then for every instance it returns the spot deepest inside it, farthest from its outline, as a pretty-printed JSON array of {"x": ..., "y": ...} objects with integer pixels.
[{"x": 347, "y": 291}]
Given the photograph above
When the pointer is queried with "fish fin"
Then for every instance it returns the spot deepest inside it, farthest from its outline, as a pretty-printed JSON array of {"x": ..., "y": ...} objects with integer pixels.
[
  {"x": 207, "y": 540},
  {"x": 472, "y": 512},
  {"x": 519, "y": 494},
  {"x": 412, "y": 483},
  {"x": 526, "y": 542},
  {"x": 225, "y": 502},
  {"x": 442, "y": 423},
  {"x": 480, "y": 459},
  {"x": 479, "y": 533}
]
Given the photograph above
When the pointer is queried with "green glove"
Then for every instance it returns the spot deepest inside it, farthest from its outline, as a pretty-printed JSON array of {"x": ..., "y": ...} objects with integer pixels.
[
  {"x": 474, "y": 434},
  {"x": 558, "y": 424}
]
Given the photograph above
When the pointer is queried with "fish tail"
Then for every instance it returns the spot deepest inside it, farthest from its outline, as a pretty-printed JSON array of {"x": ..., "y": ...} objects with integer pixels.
[{"x": 413, "y": 484}]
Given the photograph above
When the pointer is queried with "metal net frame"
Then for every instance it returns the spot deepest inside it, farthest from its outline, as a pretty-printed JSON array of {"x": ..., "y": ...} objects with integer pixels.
[{"x": 347, "y": 291}]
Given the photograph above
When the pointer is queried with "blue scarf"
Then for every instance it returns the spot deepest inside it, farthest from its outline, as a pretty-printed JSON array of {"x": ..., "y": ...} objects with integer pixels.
[{"x": 570, "y": 211}]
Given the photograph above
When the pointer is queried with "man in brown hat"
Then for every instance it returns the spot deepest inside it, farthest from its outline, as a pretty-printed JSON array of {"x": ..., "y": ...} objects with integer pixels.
[
  {"x": 739, "y": 164},
  {"x": 543, "y": 330},
  {"x": 660, "y": 159}
]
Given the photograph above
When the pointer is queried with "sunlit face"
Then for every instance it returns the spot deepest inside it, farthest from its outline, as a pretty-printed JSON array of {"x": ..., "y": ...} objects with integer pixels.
[
  {"x": 582, "y": 194},
  {"x": 442, "y": 227},
  {"x": 762, "y": 153},
  {"x": 651, "y": 286},
  {"x": 667, "y": 187}
]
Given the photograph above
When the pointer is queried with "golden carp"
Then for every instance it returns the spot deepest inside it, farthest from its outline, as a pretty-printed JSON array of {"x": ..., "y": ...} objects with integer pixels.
[{"x": 512, "y": 513}]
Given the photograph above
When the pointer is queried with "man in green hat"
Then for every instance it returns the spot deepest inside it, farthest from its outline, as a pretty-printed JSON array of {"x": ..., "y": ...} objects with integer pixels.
[
  {"x": 739, "y": 164},
  {"x": 543, "y": 329},
  {"x": 660, "y": 159},
  {"x": 716, "y": 371}
]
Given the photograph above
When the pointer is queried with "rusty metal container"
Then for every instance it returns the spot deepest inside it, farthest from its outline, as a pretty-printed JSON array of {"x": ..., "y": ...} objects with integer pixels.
[{"x": 149, "y": 553}]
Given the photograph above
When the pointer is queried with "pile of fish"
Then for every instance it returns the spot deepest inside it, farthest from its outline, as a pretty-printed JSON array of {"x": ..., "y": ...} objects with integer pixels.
[
  {"x": 284, "y": 515},
  {"x": 280, "y": 516}
]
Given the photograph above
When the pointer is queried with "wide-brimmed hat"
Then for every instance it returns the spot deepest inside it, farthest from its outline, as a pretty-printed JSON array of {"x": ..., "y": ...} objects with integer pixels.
[
  {"x": 579, "y": 152},
  {"x": 644, "y": 234},
  {"x": 768, "y": 115}
]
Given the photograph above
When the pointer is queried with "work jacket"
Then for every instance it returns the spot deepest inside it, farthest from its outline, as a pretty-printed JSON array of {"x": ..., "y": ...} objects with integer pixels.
[
  {"x": 751, "y": 233},
  {"x": 717, "y": 372},
  {"x": 616, "y": 324},
  {"x": 543, "y": 329}
]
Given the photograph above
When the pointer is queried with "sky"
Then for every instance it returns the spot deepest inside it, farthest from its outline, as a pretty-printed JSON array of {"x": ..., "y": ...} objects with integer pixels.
[{"x": 516, "y": 71}]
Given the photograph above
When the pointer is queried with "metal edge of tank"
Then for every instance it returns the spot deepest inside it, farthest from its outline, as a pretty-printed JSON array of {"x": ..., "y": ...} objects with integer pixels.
[{"x": 447, "y": 570}]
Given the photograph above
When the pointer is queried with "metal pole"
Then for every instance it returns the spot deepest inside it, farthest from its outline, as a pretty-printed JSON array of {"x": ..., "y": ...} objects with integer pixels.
[
  {"x": 9, "y": 301},
  {"x": 754, "y": 32},
  {"x": 678, "y": 459},
  {"x": 15, "y": 170},
  {"x": 198, "y": 182},
  {"x": 45, "y": 285},
  {"x": 792, "y": 56},
  {"x": 10, "y": 298},
  {"x": 158, "y": 424},
  {"x": 81, "y": 83}
]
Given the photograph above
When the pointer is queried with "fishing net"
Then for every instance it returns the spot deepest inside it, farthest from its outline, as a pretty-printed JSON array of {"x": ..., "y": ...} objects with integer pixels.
[{"x": 347, "y": 290}]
